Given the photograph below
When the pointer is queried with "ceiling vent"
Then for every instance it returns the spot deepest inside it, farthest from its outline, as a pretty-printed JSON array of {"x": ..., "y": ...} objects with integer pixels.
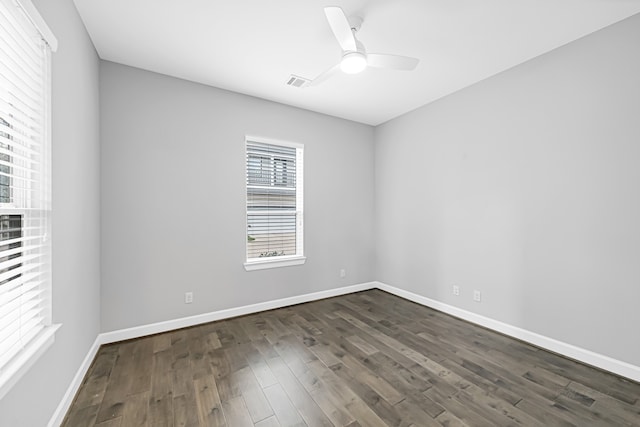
[{"x": 297, "y": 81}]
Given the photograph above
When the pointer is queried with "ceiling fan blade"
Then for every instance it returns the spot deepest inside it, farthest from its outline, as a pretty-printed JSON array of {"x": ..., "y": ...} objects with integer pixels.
[
  {"x": 341, "y": 28},
  {"x": 396, "y": 62},
  {"x": 324, "y": 75}
]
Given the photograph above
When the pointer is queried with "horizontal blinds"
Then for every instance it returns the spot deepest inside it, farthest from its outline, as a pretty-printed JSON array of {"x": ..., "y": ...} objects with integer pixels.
[
  {"x": 273, "y": 195},
  {"x": 24, "y": 185}
]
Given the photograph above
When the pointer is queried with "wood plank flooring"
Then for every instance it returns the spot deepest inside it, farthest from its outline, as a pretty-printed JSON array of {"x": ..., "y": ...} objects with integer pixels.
[{"x": 365, "y": 359}]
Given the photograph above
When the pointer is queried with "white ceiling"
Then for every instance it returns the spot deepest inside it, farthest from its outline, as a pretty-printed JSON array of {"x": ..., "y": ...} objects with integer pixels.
[{"x": 252, "y": 46}]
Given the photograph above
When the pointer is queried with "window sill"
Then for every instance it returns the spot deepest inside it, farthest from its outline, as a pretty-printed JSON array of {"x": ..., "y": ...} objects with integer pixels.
[
  {"x": 11, "y": 373},
  {"x": 274, "y": 263}
]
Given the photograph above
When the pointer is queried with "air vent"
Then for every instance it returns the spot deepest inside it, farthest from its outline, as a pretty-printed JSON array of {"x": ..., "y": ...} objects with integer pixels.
[{"x": 296, "y": 81}]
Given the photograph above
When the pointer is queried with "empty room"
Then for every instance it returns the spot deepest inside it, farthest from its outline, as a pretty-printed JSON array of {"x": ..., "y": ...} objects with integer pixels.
[{"x": 305, "y": 213}]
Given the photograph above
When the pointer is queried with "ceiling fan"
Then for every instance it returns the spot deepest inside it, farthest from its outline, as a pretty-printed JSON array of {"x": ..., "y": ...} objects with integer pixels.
[{"x": 354, "y": 56}]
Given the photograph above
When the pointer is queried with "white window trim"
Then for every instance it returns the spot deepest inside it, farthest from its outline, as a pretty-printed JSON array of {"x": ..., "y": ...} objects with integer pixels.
[
  {"x": 38, "y": 22},
  {"x": 275, "y": 263},
  {"x": 20, "y": 364},
  {"x": 24, "y": 360},
  {"x": 282, "y": 261}
]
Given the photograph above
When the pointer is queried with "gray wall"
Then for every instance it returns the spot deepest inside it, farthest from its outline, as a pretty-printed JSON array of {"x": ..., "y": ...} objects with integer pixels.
[
  {"x": 173, "y": 198},
  {"x": 76, "y": 207},
  {"x": 525, "y": 187}
]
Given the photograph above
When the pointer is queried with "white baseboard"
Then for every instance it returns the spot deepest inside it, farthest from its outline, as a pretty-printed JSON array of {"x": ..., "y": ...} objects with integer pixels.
[
  {"x": 598, "y": 360},
  {"x": 169, "y": 325},
  {"x": 65, "y": 403},
  {"x": 586, "y": 356}
]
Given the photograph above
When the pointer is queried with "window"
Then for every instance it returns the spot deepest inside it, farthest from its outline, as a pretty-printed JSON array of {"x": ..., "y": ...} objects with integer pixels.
[
  {"x": 25, "y": 207},
  {"x": 274, "y": 204}
]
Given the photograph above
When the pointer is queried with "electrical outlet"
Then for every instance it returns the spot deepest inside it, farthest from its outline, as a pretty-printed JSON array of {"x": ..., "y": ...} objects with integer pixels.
[
  {"x": 456, "y": 290},
  {"x": 343, "y": 272},
  {"x": 477, "y": 296},
  {"x": 188, "y": 297}
]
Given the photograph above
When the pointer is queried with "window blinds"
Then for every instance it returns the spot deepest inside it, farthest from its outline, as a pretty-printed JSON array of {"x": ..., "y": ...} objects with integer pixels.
[
  {"x": 24, "y": 186},
  {"x": 274, "y": 200}
]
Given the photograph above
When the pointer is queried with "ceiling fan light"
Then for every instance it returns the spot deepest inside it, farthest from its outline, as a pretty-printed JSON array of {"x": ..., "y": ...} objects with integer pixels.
[{"x": 353, "y": 62}]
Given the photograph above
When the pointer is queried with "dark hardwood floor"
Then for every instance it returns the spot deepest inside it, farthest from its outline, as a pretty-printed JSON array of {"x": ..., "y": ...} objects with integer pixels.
[{"x": 365, "y": 359}]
